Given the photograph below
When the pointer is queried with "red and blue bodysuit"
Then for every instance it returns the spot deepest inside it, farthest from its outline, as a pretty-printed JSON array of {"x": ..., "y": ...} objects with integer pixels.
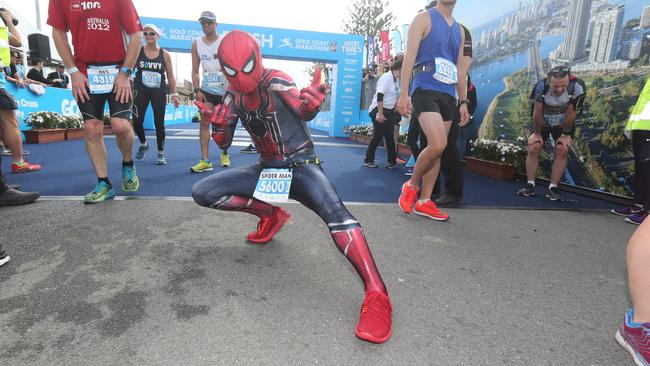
[{"x": 273, "y": 111}]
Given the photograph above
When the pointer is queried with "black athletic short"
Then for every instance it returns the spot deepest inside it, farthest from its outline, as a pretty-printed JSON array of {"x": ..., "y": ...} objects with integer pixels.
[
  {"x": 556, "y": 132},
  {"x": 213, "y": 99},
  {"x": 94, "y": 107},
  {"x": 433, "y": 101},
  {"x": 7, "y": 101}
]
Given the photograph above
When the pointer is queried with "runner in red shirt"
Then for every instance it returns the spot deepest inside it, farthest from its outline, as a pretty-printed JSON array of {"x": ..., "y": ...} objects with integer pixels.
[{"x": 99, "y": 72}]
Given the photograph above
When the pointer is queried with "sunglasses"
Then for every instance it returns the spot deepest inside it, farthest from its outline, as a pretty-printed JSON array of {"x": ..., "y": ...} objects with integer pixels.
[
  {"x": 560, "y": 71},
  {"x": 149, "y": 33}
]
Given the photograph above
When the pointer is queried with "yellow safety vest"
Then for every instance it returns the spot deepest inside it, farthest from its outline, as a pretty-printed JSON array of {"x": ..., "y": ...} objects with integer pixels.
[
  {"x": 640, "y": 117},
  {"x": 5, "y": 52}
]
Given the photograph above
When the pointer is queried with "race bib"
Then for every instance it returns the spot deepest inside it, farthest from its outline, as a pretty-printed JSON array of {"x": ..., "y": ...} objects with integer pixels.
[
  {"x": 213, "y": 80},
  {"x": 102, "y": 78},
  {"x": 151, "y": 79},
  {"x": 554, "y": 120},
  {"x": 274, "y": 185},
  {"x": 446, "y": 71}
]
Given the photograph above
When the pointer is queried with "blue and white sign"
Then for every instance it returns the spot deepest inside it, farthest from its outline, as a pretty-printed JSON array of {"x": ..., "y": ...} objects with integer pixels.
[
  {"x": 345, "y": 50},
  {"x": 274, "y": 185}
]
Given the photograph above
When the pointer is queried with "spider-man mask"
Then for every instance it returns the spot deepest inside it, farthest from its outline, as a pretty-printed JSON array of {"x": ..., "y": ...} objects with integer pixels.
[{"x": 241, "y": 61}]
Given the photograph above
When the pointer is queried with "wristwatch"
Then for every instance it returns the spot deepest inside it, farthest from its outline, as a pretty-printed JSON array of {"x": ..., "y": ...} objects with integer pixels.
[
  {"x": 464, "y": 101},
  {"x": 126, "y": 71},
  {"x": 196, "y": 90}
]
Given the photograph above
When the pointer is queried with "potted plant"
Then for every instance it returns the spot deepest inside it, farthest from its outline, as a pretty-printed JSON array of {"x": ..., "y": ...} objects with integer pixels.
[
  {"x": 44, "y": 128},
  {"x": 74, "y": 127},
  {"x": 361, "y": 133},
  {"x": 108, "y": 129},
  {"x": 496, "y": 159}
]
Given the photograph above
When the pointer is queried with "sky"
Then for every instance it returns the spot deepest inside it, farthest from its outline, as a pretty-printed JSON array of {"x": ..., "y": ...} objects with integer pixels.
[{"x": 294, "y": 14}]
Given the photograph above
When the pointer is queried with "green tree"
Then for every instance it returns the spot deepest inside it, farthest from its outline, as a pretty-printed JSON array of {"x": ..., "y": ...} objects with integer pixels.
[{"x": 368, "y": 18}]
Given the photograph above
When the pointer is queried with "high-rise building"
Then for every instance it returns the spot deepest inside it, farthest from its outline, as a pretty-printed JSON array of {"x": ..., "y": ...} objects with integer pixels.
[
  {"x": 607, "y": 34},
  {"x": 645, "y": 17},
  {"x": 576, "y": 35}
]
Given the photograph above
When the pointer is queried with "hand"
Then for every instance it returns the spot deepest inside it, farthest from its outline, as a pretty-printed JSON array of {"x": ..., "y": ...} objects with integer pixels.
[
  {"x": 464, "y": 115},
  {"x": 313, "y": 95},
  {"x": 563, "y": 143},
  {"x": 79, "y": 87},
  {"x": 218, "y": 116},
  {"x": 20, "y": 83},
  {"x": 175, "y": 101},
  {"x": 122, "y": 89},
  {"x": 199, "y": 97},
  {"x": 404, "y": 106},
  {"x": 380, "y": 118},
  {"x": 535, "y": 138}
]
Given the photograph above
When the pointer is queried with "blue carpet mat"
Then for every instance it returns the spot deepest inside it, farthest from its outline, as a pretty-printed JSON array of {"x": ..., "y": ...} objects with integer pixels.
[{"x": 67, "y": 171}]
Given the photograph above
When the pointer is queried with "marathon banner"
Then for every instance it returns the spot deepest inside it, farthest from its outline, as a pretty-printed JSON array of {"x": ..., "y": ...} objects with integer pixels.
[
  {"x": 371, "y": 51},
  {"x": 397, "y": 41},
  {"x": 385, "y": 46}
]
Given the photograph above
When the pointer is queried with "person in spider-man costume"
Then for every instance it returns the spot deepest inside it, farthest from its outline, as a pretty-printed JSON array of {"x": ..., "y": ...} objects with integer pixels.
[{"x": 273, "y": 111}]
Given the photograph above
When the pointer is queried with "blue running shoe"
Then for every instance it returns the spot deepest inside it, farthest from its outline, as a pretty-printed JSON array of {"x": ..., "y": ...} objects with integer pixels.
[
  {"x": 101, "y": 193},
  {"x": 130, "y": 182}
]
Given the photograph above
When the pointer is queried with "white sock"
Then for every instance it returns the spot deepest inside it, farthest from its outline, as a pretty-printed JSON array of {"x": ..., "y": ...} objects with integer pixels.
[
  {"x": 552, "y": 185},
  {"x": 531, "y": 182},
  {"x": 422, "y": 201}
]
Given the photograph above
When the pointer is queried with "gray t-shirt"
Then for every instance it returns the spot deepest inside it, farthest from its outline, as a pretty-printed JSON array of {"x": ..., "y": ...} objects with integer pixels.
[{"x": 555, "y": 107}]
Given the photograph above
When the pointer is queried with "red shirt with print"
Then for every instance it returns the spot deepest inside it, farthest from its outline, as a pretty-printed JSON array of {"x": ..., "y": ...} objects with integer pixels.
[{"x": 98, "y": 28}]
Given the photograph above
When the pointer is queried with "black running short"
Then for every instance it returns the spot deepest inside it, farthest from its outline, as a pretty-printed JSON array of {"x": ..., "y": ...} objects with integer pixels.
[
  {"x": 94, "y": 107},
  {"x": 556, "y": 132},
  {"x": 7, "y": 101},
  {"x": 433, "y": 101},
  {"x": 213, "y": 99}
]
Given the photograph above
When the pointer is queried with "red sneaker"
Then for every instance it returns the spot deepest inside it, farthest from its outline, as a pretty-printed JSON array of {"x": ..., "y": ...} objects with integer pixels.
[
  {"x": 375, "y": 323},
  {"x": 430, "y": 210},
  {"x": 400, "y": 161},
  {"x": 269, "y": 226},
  {"x": 408, "y": 197},
  {"x": 25, "y": 167}
]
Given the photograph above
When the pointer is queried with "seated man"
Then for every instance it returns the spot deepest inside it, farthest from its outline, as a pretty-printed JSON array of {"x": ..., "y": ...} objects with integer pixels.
[{"x": 556, "y": 100}]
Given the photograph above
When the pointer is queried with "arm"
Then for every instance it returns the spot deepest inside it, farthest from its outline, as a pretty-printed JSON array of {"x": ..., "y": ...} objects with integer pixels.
[
  {"x": 122, "y": 88},
  {"x": 419, "y": 28},
  {"x": 196, "y": 78},
  {"x": 463, "y": 64},
  {"x": 38, "y": 76},
  {"x": 77, "y": 78},
  {"x": 169, "y": 70},
  {"x": 14, "y": 35},
  {"x": 305, "y": 103},
  {"x": 538, "y": 119}
]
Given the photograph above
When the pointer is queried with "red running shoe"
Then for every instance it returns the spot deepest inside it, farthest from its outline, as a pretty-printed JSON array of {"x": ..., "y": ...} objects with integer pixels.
[
  {"x": 25, "y": 167},
  {"x": 635, "y": 340},
  {"x": 375, "y": 323},
  {"x": 408, "y": 197},
  {"x": 269, "y": 226},
  {"x": 430, "y": 210}
]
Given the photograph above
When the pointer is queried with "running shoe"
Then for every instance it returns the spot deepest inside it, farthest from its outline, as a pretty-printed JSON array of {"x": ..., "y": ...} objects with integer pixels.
[
  {"x": 101, "y": 193},
  {"x": 225, "y": 159},
  {"x": 627, "y": 211},
  {"x": 527, "y": 191},
  {"x": 6, "y": 152},
  {"x": 203, "y": 165},
  {"x": 391, "y": 166},
  {"x": 408, "y": 197},
  {"x": 409, "y": 172},
  {"x": 370, "y": 164},
  {"x": 269, "y": 226},
  {"x": 430, "y": 210},
  {"x": 14, "y": 197},
  {"x": 24, "y": 167},
  {"x": 250, "y": 149},
  {"x": 4, "y": 258},
  {"x": 130, "y": 181},
  {"x": 141, "y": 151},
  {"x": 635, "y": 340},
  {"x": 161, "y": 159},
  {"x": 375, "y": 322},
  {"x": 554, "y": 194},
  {"x": 637, "y": 218},
  {"x": 400, "y": 161}
]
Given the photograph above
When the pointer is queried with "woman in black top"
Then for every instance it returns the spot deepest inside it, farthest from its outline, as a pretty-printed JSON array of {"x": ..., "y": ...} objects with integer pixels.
[{"x": 153, "y": 65}]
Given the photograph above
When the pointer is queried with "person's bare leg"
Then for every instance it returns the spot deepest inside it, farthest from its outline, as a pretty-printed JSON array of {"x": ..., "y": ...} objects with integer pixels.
[
  {"x": 94, "y": 139},
  {"x": 124, "y": 137},
  {"x": 428, "y": 163},
  {"x": 204, "y": 134},
  {"x": 532, "y": 161},
  {"x": 638, "y": 270},
  {"x": 11, "y": 134},
  {"x": 560, "y": 163}
]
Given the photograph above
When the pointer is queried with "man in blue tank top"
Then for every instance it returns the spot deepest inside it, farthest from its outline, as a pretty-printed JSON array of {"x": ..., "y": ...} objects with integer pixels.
[{"x": 434, "y": 58}]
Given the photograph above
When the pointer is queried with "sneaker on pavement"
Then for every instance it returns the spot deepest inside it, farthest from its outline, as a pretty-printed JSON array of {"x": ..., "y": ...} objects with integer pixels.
[
  {"x": 4, "y": 258},
  {"x": 430, "y": 210},
  {"x": 409, "y": 172},
  {"x": 391, "y": 166},
  {"x": 130, "y": 181},
  {"x": 447, "y": 200},
  {"x": 13, "y": 197},
  {"x": 375, "y": 322},
  {"x": 554, "y": 194},
  {"x": 101, "y": 193},
  {"x": 24, "y": 167},
  {"x": 635, "y": 340},
  {"x": 408, "y": 197},
  {"x": 202, "y": 166},
  {"x": 626, "y": 211},
  {"x": 6, "y": 152},
  {"x": 637, "y": 218},
  {"x": 141, "y": 151},
  {"x": 225, "y": 159},
  {"x": 400, "y": 161},
  {"x": 527, "y": 191},
  {"x": 267, "y": 227},
  {"x": 370, "y": 164},
  {"x": 250, "y": 149},
  {"x": 161, "y": 159}
]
